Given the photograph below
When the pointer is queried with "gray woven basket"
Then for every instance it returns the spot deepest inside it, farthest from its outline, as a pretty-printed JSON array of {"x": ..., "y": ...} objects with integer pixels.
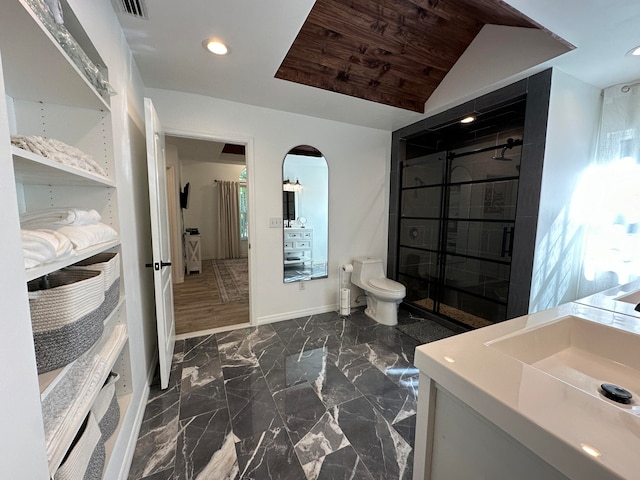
[
  {"x": 106, "y": 408},
  {"x": 67, "y": 315}
]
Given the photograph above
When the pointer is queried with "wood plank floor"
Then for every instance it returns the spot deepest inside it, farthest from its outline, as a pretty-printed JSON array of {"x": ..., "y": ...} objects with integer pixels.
[{"x": 198, "y": 306}]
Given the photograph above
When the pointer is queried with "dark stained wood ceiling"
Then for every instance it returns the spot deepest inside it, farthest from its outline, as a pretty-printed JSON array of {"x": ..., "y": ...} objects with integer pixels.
[
  {"x": 233, "y": 149},
  {"x": 394, "y": 52}
]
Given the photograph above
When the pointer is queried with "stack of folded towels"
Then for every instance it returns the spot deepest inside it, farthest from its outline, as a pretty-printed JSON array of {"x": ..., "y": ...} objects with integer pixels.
[
  {"x": 59, "y": 152},
  {"x": 58, "y": 233}
]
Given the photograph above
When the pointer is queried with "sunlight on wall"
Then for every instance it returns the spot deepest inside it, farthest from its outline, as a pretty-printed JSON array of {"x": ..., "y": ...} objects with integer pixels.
[
  {"x": 607, "y": 203},
  {"x": 560, "y": 248}
]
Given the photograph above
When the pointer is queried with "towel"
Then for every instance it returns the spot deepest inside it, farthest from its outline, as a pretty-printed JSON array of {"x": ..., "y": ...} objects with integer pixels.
[
  {"x": 44, "y": 246},
  {"x": 59, "y": 152},
  {"x": 86, "y": 236},
  {"x": 56, "y": 217}
]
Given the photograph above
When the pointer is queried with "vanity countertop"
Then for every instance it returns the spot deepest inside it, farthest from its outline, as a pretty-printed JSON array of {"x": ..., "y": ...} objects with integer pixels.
[{"x": 527, "y": 398}]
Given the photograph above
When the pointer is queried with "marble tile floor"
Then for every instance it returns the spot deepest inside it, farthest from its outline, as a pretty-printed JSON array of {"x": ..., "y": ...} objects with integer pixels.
[{"x": 320, "y": 397}]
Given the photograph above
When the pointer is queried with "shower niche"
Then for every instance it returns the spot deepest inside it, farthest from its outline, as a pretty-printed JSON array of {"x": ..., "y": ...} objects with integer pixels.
[{"x": 461, "y": 195}]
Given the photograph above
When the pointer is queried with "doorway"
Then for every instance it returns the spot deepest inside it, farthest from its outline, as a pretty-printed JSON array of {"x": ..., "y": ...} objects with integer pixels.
[{"x": 211, "y": 287}]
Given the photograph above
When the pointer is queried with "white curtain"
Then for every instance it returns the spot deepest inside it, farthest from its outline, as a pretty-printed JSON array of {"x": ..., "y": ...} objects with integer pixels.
[
  {"x": 609, "y": 195},
  {"x": 228, "y": 220}
]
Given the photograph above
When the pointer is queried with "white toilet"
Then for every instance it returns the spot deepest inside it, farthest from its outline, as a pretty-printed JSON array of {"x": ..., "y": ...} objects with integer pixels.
[{"x": 383, "y": 294}]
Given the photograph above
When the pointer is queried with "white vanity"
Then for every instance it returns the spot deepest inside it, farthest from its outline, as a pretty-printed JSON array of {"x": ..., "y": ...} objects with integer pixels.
[
  {"x": 298, "y": 246},
  {"x": 523, "y": 399}
]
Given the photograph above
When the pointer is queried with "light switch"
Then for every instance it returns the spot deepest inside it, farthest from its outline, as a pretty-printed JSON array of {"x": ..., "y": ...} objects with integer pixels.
[{"x": 275, "y": 222}]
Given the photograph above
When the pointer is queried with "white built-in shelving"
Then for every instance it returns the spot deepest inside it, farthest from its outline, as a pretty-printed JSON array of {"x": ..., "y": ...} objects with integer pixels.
[
  {"x": 48, "y": 95},
  {"x": 34, "y": 169}
]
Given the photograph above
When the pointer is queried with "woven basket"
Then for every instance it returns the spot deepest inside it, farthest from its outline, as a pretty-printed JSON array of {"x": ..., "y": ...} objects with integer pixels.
[
  {"x": 106, "y": 408},
  {"x": 109, "y": 264},
  {"x": 66, "y": 315},
  {"x": 86, "y": 456}
]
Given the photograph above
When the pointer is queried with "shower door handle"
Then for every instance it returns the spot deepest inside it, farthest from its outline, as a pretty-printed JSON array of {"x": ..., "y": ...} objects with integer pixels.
[
  {"x": 507, "y": 241},
  {"x": 503, "y": 249}
]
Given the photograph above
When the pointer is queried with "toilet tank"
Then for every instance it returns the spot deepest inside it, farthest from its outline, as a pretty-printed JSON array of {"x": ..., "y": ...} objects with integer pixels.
[{"x": 366, "y": 268}]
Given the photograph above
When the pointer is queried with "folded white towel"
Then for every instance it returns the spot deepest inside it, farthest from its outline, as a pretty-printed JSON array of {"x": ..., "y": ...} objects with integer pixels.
[
  {"x": 56, "y": 217},
  {"x": 88, "y": 235},
  {"x": 64, "y": 248},
  {"x": 38, "y": 247}
]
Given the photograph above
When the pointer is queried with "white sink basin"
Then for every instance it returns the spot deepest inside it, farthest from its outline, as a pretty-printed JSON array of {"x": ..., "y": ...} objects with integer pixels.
[{"x": 580, "y": 352}]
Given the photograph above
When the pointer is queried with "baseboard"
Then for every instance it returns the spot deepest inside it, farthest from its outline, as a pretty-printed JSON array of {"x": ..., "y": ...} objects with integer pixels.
[
  {"x": 211, "y": 331},
  {"x": 297, "y": 313}
]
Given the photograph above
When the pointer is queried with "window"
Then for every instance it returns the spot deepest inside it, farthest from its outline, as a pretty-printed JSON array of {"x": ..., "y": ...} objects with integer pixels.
[{"x": 242, "y": 201}]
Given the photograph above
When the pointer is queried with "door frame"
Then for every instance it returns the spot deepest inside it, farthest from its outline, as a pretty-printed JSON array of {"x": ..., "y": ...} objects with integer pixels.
[{"x": 247, "y": 141}]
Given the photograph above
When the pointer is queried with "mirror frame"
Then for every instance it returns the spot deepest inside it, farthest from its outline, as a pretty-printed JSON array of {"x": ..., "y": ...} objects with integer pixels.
[{"x": 302, "y": 266}]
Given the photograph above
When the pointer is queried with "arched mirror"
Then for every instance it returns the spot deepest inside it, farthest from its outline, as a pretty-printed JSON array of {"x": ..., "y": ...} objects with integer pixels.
[{"x": 305, "y": 211}]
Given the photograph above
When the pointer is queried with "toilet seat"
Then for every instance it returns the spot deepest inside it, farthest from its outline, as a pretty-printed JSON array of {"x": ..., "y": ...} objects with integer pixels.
[{"x": 386, "y": 285}]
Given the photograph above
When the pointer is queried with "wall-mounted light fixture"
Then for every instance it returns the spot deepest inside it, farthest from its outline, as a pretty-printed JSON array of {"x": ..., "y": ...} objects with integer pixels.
[{"x": 287, "y": 186}]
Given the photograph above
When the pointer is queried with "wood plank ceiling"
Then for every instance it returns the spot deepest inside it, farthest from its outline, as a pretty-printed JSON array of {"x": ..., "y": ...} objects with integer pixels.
[{"x": 394, "y": 52}]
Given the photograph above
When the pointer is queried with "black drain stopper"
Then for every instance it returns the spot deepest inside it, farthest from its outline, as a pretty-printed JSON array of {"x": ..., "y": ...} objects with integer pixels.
[{"x": 616, "y": 393}]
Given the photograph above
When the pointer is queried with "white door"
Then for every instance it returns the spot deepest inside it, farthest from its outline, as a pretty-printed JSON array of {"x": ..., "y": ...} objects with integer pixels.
[{"x": 161, "y": 263}]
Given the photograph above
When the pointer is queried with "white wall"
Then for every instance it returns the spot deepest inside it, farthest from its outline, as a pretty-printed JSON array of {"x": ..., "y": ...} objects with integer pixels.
[
  {"x": 358, "y": 160},
  {"x": 203, "y": 202},
  {"x": 498, "y": 56},
  {"x": 572, "y": 130},
  {"x": 175, "y": 213}
]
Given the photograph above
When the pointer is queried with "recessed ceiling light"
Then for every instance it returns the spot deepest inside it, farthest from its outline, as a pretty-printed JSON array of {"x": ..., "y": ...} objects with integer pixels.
[
  {"x": 468, "y": 119},
  {"x": 216, "y": 46},
  {"x": 635, "y": 51}
]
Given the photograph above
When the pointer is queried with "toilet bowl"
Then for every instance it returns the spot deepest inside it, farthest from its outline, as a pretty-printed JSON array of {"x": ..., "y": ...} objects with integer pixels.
[{"x": 383, "y": 294}]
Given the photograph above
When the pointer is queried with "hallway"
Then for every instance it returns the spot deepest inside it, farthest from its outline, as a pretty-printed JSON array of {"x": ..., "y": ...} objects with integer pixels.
[{"x": 296, "y": 399}]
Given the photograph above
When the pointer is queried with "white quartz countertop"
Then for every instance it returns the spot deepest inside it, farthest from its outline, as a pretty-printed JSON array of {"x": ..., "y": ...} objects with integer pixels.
[{"x": 552, "y": 418}]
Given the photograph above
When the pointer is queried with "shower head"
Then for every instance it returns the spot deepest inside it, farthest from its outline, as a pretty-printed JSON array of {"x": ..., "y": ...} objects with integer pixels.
[
  {"x": 501, "y": 156},
  {"x": 507, "y": 146}
]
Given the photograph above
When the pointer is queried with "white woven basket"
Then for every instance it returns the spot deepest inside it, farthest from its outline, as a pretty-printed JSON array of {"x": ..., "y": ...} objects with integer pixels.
[
  {"x": 86, "y": 456},
  {"x": 108, "y": 263},
  {"x": 64, "y": 297}
]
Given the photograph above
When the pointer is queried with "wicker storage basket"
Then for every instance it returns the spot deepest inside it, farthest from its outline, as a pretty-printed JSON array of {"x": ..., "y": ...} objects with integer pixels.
[
  {"x": 106, "y": 408},
  {"x": 109, "y": 264},
  {"x": 66, "y": 317},
  {"x": 86, "y": 456}
]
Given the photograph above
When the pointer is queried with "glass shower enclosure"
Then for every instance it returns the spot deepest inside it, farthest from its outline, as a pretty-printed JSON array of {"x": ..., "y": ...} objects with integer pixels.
[{"x": 457, "y": 228}]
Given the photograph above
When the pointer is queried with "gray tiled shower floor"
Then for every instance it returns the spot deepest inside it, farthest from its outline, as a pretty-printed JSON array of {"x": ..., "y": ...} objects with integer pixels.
[{"x": 319, "y": 397}]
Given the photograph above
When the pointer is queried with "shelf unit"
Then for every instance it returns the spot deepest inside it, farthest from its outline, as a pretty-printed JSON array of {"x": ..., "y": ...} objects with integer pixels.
[
  {"x": 47, "y": 95},
  {"x": 298, "y": 246},
  {"x": 193, "y": 251}
]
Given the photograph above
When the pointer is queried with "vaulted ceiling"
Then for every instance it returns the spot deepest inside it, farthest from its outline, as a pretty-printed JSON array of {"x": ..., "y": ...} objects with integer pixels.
[
  {"x": 377, "y": 54},
  {"x": 394, "y": 52}
]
